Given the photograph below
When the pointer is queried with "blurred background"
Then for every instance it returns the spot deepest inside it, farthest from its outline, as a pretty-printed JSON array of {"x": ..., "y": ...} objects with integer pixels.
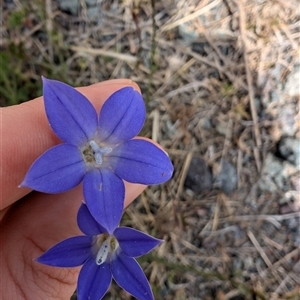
[{"x": 221, "y": 83}]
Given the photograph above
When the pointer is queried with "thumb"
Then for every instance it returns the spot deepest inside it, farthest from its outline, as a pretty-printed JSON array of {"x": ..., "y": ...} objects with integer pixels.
[{"x": 32, "y": 226}]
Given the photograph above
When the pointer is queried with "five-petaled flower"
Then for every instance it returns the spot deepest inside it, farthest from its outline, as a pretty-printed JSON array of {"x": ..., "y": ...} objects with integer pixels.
[
  {"x": 104, "y": 256},
  {"x": 100, "y": 151}
]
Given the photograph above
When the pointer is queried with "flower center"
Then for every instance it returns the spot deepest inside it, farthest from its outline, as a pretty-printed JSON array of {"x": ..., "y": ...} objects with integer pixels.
[
  {"x": 105, "y": 244},
  {"x": 93, "y": 153}
]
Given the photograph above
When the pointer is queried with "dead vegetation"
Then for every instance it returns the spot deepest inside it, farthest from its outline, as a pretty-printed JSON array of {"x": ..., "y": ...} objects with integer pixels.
[{"x": 213, "y": 74}]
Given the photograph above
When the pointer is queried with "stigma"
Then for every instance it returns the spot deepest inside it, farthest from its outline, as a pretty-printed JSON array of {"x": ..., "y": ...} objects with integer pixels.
[
  {"x": 93, "y": 153},
  {"x": 103, "y": 252}
]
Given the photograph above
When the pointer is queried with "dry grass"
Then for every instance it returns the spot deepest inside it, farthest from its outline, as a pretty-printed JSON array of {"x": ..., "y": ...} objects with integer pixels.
[{"x": 198, "y": 62}]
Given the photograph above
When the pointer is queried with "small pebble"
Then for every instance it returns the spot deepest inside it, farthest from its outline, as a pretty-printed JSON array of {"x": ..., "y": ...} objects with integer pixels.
[
  {"x": 289, "y": 149},
  {"x": 226, "y": 178},
  {"x": 199, "y": 176}
]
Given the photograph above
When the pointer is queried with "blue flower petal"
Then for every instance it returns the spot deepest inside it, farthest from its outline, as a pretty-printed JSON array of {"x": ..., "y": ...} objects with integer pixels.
[
  {"x": 135, "y": 243},
  {"x": 57, "y": 170},
  {"x": 122, "y": 116},
  {"x": 139, "y": 161},
  {"x": 87, "y": 223},
  {"x": 129, "y": 276},
  {"x": 93, "y": 280},
  {"x": 71, "y": 252},
  {"x": 71, "y": 115},
  {"x": 104, "y": 194}
]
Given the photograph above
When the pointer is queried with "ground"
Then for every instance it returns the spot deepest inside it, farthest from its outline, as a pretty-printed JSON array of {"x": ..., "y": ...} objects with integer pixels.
[{"x": 221, "y": 82}]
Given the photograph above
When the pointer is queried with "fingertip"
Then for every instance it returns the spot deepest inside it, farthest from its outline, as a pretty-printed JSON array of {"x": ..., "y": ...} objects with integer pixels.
[
  {"x": 118, "y": 82},
  {"x": 132, "y": 191},
  {"x": 107, "y": 88}
]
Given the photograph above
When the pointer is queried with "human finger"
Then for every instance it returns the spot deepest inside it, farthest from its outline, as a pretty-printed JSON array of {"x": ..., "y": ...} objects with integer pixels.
[
  {"x": 26, "y": 134},
  {"x": 33, "y": 225}
]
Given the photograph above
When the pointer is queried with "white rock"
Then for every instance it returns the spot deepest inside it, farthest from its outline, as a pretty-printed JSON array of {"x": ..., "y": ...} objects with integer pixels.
[{"x": 292, "y": 85}]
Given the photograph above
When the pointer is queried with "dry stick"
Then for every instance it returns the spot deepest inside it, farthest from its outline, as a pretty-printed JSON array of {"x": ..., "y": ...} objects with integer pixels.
[
  {"x": 272, "y": 243},
  {"x": 226, "y": 203},
  {"x": 274, "y": 219},
  {"x": 198, "y": 57},
  {"x": 239, "y": 167},
  {"x": 222, "y": 70},
  {"x": 176, "y": 247},
  {"x": 276, "y": 265},
  {"x": 147, "y": 208},
  {"x": 155, "y": 126},
  {"x": 174, "y": 76},
  {"x": 259, "y": 249},
  {"x": 286, "y": 258},
  {"x": 226, "y": 61},
  {"x": 263, "y": 254},
  {"x": 116, "y": 39},
  {"x": 116, "y": 70},
  {"x": 184, "y": 171},
  {"x": 49, "y": 27},
  {"x": 242, "y": 25},
  {"x": 192, "y": 16},
  {"x": 83, "y": 9},
  {"x": 5, "y": 42},
  {"x": 126, "y": 57},
  {"x": 285, "y": 29},
  {"x": 185, "y": 88},
  {"x": 216, "y": 215},
  {"x": 152, "y": 52},
  {"x": 285, "y": 281},
  {"x": 186, "y": 50}
]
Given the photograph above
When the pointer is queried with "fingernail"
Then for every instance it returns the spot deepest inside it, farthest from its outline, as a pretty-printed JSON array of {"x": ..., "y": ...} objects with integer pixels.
[{"x": 122, "y": 81}]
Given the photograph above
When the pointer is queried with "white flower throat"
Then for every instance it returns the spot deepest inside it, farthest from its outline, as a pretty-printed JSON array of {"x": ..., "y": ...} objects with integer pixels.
[
  {"x": 105, "y": 245},
  {"x": 93, "y": 153}
]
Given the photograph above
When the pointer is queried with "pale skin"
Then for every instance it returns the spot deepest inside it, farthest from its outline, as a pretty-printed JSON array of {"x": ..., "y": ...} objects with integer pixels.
[{"x": 32, "y": 222}]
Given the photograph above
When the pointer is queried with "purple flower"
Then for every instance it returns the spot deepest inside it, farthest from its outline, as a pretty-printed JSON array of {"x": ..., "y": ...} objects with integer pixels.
[
  {"x": 100, "y": 151},
  {"x": 104, "y": 256}
]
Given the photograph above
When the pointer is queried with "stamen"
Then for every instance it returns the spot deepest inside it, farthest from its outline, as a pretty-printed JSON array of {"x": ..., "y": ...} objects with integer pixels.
[
  {"x": 94, "y": 146},
  {"x": 98, "y": 151},
  {"x": 103, "y": 252},
  {"x": 98, "y": 158}
]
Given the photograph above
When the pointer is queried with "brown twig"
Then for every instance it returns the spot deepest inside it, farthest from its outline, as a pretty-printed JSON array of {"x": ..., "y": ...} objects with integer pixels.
[{"x": 242, "y": 26}]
